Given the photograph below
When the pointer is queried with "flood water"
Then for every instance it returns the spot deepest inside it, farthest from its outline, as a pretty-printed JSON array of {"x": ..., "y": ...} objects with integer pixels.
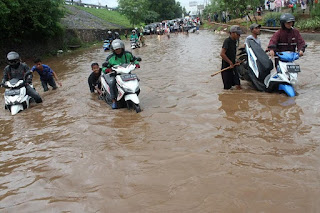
[{"x": 194, "y": 147}]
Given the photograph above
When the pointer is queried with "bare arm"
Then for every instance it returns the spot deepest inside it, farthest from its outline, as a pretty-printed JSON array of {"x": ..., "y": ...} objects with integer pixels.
[
  {"x": 56, "y": 78},
  {"x": 225, "y": 57}
]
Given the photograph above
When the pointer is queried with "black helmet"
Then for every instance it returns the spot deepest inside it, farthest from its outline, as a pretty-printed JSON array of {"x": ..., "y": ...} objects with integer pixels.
[
  {"x": 287, "y": 17},
  {"x": 13, "y": 58},
  {"x": 117, "y": 44}
]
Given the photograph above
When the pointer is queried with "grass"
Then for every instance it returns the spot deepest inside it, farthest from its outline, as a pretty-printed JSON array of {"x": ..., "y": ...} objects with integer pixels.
[
  {"x": 309, "y": 24},
  {"x": 107, "y": 15}
]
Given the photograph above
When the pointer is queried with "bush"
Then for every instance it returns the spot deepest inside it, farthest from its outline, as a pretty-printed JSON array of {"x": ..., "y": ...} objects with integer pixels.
[{"x": 309, "y": 24}]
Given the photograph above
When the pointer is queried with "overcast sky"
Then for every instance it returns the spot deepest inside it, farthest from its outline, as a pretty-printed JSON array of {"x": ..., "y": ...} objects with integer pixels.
[{"x": 114, "y": 3}]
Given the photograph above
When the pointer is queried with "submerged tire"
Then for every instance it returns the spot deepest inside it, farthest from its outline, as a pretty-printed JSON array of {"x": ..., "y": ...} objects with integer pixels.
[
  {"x": 24, "y": 104},
  {"x": 137, "y": 107}
]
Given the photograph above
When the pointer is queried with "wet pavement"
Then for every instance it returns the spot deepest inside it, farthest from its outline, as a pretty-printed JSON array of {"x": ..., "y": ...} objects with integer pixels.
[{"x": 193, "y": 148}]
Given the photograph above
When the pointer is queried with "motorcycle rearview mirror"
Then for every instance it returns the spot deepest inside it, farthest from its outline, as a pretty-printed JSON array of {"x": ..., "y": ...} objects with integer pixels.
[
  {"x": 105, "y": 64},
  {"x": 136, "y": 59}
]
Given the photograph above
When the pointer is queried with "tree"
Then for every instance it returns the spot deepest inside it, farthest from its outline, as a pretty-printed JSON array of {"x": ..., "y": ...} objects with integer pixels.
[
  {"x": 236, "y": 7},
  {"x": 167, "y": 9},
  {"x": 138, "y": 11},
  {"x": 134, "y": 10},
  {"x": 151, "y": 17},
  {"x": 25, "y": 19}
]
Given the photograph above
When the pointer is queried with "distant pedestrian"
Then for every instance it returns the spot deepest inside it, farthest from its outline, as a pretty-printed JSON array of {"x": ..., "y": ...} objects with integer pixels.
[
  {"x": 268, "y": 5},
  {"x": 223, "y": 17},
  {"x": 293, "y": 5},
  {"x": 216, "y": 16},
  {"x": 259, "y": 11},
  {"x": 278, "y": 5},
  {"x": 126, "y": 34},
  {"x": 303, "y": 5}
]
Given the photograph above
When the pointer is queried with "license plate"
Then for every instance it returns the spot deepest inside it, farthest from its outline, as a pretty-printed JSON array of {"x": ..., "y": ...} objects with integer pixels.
[
  {"x": 293, "y": 68},
  {"x": 12, "y": 92},
  {"x": 129, "y": 77}
]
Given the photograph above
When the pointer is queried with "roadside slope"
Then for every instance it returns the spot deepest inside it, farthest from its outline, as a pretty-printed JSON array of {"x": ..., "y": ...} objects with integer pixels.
[{"x": 79, "y": 19}]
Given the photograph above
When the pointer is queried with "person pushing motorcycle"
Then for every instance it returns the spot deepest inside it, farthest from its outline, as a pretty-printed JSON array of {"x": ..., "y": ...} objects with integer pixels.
[
  {"x": 21, "y": 71},
  {"x": 118, "y": 57}
]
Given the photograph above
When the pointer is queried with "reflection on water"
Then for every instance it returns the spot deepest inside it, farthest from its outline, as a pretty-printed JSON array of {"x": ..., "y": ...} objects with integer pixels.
[{"x": 193, "y": 148}]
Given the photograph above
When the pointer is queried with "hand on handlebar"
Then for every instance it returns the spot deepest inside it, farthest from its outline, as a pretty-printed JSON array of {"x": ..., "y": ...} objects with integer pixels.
[
  {"x": 300, "y": 53},
  {"x": 108, "y": 70},
  {"x": 271, "y": 53}
]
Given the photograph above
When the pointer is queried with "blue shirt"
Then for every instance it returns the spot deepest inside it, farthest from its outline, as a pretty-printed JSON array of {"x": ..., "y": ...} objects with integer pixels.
[{"x": 45, "y": 74}]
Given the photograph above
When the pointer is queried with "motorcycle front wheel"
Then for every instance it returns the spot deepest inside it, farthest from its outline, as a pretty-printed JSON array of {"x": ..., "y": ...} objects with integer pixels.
[{"x": 137, "y": 107}]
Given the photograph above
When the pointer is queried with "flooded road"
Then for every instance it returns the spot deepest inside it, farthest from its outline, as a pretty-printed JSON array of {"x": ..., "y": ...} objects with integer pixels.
[{"x": 193, "y": 148}]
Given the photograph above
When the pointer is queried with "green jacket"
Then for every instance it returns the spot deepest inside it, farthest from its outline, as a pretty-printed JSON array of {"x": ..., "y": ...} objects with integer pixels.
[
  {"x": 134, "y": 36},
  {"x": 113, "y": 60}
]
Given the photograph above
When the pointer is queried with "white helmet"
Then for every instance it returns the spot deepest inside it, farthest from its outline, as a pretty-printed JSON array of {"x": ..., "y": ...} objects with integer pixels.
[{"x": 117, "y": 44}]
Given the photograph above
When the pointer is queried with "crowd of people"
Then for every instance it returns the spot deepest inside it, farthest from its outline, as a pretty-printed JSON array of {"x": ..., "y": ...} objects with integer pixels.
[{"x": 285, "y": 39}]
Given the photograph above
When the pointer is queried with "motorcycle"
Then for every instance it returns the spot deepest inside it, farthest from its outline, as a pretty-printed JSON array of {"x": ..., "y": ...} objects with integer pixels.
[
  {"x": 106, "y": 45},
  {"x": 134, "y": 43},
  {"x": 15, "y": 96},
  {"x": 258, "y": 69},
  {"x": 127, "y": 85}
]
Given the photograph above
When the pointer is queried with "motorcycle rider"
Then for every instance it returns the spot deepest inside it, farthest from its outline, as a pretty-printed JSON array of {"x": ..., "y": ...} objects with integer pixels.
[
  {"x": 287, "y": 38},
  {"x": 134, "y": 37},
  {"x": 19, "y": 70},
  {"x": 116, "y": 35},
  {"x": 109, "y": 36},
  {"x": 118, "y": 57}
]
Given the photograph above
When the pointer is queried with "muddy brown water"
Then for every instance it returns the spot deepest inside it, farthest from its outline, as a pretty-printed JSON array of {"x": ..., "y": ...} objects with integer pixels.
[{"x": 193, "y": 148}]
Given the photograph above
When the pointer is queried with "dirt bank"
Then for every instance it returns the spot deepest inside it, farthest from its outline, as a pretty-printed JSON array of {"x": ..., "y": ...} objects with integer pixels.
[{"x": 79, "y": 19}]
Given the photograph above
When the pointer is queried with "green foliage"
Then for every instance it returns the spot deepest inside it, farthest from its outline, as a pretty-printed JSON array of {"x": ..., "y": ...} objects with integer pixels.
[
  {"x": 206, "y": 25},
  {"x": 167, "y": 9},
  {"x": 151, "y": 16},
  {"x": 236, "y": 8},
  {"x": 134, "y": 10},
  {"x": 109, "y": 16},
  {"x": 316, "y": 11},
  {"x": 147, "y": 11},
  {"x": 309, "y": 24},
  {"x": 23, "y": 19}
]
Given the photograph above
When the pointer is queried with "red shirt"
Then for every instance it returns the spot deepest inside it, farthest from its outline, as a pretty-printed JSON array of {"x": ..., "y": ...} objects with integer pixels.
[{"x": 287, "y": 40}]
